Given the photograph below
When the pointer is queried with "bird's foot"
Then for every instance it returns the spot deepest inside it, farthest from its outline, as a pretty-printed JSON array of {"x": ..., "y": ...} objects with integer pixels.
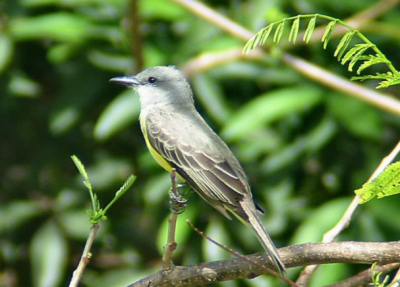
[{"x": 177, "y": 199}]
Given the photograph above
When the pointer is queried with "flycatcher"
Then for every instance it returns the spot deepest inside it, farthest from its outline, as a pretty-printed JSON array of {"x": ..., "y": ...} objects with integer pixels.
[{"x": 178, "y": 138}]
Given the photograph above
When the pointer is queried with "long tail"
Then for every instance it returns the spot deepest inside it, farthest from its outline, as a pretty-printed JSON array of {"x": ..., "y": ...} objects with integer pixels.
[{"x": 258, "y": 227}]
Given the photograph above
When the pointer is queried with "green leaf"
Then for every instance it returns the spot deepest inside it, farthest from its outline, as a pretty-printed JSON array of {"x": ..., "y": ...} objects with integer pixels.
[
  {"x": 310, "y": 29},
  {"x": 309, "y": 143},
  {"x": 386, "y": 184},
  {"x": 156, "y": 9},
  {"x": 81, "y": 169},
  {"x": 22, "y": 86},
  {"x": 320, "y": 220},
  {"x": 217, "y": 231},
  {"x": 61, "y": 26},
  {"x": 279, "y": 31},
  {"x": 209, "y": 93},
  {"x": 64, "y": 119},
  {"x": 372, "y": 60},
  {"x": 118, "y": 115},
  {"x": 328, "y": 33},
  {"x": 343, "y": 44},
  {"x": 357, "y": 56},
  {"x": 15, "y": 213},
  {"x": 268, "y": 108},
  {"x": 266, "y": 32},
  {"x": 118, "y": 63},
  {"x": 349, "y": 55},
  {"x": 6, "y": 51},
  {"x": 73, "y": 224},
  {"x": 124, "y": 188},
  {"x": 367, "y": 124},
  {"x": 49, "y": 255},
  {"x": 328, "y": 274},
  {"x": 389, "y": 82},
  {"x": 294, "y": 31}
]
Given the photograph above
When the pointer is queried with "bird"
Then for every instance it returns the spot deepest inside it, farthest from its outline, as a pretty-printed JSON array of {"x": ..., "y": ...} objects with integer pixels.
[{"x": 179, "y": 139}]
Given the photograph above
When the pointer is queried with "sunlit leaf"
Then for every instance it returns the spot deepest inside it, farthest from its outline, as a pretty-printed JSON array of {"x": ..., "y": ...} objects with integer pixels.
[
  {"x": 369, "y": 122},
  {"x": 63, "y": 119},
  {"x": 16, "y": 213},
  {"x": 49, "y": 255},
  {"x": 320, "y": 220},
  {"x": 294, "y": 31},
  {"x": 118, "y": 115},
  {"x": 386, "y": 184},
  {"x": 6, "y": 51},
  {"x": 270, "y": 107},
  {"x": 328, "y": 33},
  {"x": 310, "y": 29},
  {"x": 211, "y": 96},
  {"x": 62, "y": 26}
]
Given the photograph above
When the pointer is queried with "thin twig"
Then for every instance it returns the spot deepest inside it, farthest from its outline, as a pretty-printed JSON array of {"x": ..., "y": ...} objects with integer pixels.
[
  {"x": 346, "y": 218},
  {"x": 85, "y": 259}
]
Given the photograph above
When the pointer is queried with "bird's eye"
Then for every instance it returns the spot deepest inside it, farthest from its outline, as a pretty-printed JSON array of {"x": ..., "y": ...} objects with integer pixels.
[{"x": 152, "y": 80}]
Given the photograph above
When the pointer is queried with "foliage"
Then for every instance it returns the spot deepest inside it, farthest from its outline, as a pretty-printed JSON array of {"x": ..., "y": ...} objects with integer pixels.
[
  {"x": 386, "y": 184},
  {"x": 304, "y": 155},
  {"x": 344, "y": 55},
  {"x": 97, "y": 213}
]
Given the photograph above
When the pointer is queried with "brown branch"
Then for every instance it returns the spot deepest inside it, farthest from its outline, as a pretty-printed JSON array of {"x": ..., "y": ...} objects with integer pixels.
[{"x": 292, "y": 256}]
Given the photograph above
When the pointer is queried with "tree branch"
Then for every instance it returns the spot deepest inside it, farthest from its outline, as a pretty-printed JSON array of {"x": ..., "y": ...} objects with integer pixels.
[{"x": 292, "y": 256}]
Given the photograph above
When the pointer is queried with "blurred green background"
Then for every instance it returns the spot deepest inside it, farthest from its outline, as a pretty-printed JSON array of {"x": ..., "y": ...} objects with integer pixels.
[{"x": 304, "y": 147}]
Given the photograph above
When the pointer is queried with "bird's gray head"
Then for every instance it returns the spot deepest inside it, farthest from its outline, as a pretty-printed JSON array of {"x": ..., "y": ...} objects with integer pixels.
[{"x": 159, "y": 86}]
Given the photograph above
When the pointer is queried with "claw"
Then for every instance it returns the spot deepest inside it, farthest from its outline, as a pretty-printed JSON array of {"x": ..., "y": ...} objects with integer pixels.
[{"x": 177, "y": 201}]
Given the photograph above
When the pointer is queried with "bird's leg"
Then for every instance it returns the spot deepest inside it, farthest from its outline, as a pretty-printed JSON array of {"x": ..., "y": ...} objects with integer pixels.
[
  {"x": 176, "y": 197},
  {"x": 178, "y": 202}
]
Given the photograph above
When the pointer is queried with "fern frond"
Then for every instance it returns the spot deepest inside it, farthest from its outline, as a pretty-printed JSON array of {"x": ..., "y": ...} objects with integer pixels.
[
  {"x": 351, "y": 56},
  {"x": 294, "y": 31},
  {"x": 328, "y": 33},
  {"x": 310, "y": 29}
]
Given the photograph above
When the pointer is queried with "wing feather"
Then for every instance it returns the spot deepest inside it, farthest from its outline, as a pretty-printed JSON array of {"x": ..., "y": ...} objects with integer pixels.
[{"x": 198, "y": 161}]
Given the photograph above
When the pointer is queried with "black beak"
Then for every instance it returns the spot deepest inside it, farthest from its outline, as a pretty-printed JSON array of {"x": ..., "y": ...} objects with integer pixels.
[{"x": 129, "y": 81}]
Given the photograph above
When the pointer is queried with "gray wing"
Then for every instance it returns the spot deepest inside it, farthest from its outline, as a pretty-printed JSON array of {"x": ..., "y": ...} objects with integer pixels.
[{"x": 199, "y": 156}]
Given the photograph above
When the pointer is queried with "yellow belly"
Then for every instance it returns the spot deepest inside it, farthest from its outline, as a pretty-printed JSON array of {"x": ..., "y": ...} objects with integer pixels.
[{"x": 158, "y": 158}]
